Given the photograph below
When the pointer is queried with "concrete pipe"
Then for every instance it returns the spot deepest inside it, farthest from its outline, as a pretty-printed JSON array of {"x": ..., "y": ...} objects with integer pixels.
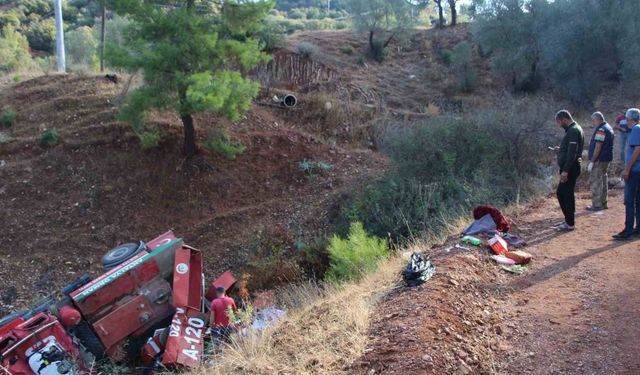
[{"x": 289, "y": 101}]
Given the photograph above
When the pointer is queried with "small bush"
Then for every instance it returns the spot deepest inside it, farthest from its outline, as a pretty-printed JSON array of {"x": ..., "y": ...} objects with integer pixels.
[
  {"x": 5, "y": 138},
  {"x": 16, "y": 78},
  {"x": 222, "y": 144},
  {"x": 377, "y": 51},
  {"x": 310, "y": 168},
  {"x": 341, "y": 25},
  {"x": 347, "y": 49},
  {"x": 150, "y": 139},
  {"x": 356, "y": 255},
  {"x": 8, "y": 117},
  {"x": 306, "y": 49},
  {"x": 446, "y": 56},
  {"x": 463, "y": 61},
  {"x": 297, "y": 14},
  {"x": 49, "y": 138}
]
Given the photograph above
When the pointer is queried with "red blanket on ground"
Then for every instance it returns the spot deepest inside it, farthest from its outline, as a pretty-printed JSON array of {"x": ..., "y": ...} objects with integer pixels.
[{"x": 501, "y": 221}]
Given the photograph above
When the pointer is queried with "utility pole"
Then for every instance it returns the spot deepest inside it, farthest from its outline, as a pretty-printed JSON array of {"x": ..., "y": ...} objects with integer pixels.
[
  {"x": 328, "y": 6},
  {"x": 57, "y": 7}
]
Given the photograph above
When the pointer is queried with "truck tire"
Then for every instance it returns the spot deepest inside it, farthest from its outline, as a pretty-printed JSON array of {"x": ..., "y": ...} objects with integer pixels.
[
  {"x": 89, "y": 340},
  {"x": 118, "y": 255}
]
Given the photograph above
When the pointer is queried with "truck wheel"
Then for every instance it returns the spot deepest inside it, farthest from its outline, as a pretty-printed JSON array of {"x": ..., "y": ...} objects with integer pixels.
[
  {"x": 89, "y": 340},
  {"x": 118, "y": 255}
]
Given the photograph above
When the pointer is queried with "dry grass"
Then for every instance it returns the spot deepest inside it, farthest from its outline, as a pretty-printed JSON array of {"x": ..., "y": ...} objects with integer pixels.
[
  {"x": 326, "y": 329},
  {"x": 324, "y": 334}
]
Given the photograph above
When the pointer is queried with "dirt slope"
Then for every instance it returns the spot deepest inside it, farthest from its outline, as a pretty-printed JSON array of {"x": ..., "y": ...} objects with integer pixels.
[
  {"x": 574, "y": 312},
  {"x": 413, "y": 76},
  {"x": 63, "y": 207}
]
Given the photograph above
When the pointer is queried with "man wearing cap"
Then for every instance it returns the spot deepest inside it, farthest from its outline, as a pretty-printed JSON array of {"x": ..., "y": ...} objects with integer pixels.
[
  {"x": 623, "y": 129},
  {"x": 631, "y": 176},
  {"x": 219, "y": 320},
  {"x": 600, "y": 155},
  {"x": 569, "y": 158}
]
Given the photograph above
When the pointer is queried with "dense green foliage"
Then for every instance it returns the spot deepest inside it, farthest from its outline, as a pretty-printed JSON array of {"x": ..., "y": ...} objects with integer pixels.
[
  {"x": 14, "y": 50},
  {"x": 462, "y": 59},
  {"x": 356, "y": 255},
  {"x": 81, "y": 47},
  {"x": 192, "y": 56},
  {"x": 317, "y": 4},
  {"x": 379, "y": 16},
  {"x": 49, "y": 138},
  {"x": 7, "y": 117},
  {"x": 445, "y": 166},
  {"x": 223, "y": 145},
  {"x": 577, "y": 46}
]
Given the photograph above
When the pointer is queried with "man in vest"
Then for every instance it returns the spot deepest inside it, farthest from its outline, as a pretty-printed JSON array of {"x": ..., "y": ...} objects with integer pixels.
[{"x": 600, "y": 155}]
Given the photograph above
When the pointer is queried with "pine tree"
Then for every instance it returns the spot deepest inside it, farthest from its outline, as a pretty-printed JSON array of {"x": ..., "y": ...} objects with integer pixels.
[{"x": 192, "y": 54}]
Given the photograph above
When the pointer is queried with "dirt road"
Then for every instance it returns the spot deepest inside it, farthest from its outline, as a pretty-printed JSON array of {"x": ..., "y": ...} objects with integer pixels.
[
  {"x": 578, "y": 308},
  {"x": 574, "y": 312}
]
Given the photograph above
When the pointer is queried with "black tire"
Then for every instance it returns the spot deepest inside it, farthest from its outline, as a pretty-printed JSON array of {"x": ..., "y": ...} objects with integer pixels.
[
  {"x": 118, "y": 255},
  {"x": 89, "y": 340}
]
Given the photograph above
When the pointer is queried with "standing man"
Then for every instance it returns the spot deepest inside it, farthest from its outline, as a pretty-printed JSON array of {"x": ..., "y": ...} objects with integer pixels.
[
  {"x": 631, "y": 176},
  {"x": 623, "y": 128},
  {"x": 569, "y": 159},
  {"x": 219, "y": 320},
  {"x": 600, "y": 155}
]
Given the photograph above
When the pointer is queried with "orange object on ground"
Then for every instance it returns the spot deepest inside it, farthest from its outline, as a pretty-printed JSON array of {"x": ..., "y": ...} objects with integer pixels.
[
  {"x": 520, "y": 257},
  {"x": 498, "y": 245}
]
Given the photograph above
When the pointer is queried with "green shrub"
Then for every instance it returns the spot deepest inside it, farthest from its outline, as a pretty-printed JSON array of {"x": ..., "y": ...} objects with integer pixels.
[
  {"x": 463, "y": 61},
  {"x": 446, "y": 56},
  {"x": 341, "y": 25},
  {"x": 8, "y": 117},
  {"x": 41, "y": 34},
  {"x": 5, "y": 138},
  {"x": 377, "y": 51},
  {"x": 306, "y": 49},
  {"x": 49, "y": 138},
  {"x": 311, "y": 167},
  {"x": 149, "y": 139},
  {"x": 347, "y": 49},
  {"x": 444, "y": 167},
  {"x": 14, "y": 51},
  {"x": 81, "y": 48},
  {"x": 225, "y": 146},
  {"x": 356, "y": 255},
  {"x": 16, "y": 78},
  {"x": 297, "y": 14}
]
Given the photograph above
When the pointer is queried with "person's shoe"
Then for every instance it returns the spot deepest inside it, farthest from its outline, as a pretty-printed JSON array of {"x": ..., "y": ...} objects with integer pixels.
[
  {"x": 559, "y": 224},
  {"x": 594, "y": 209},
  {"x": 565, "y": 227},
  {"x": 623, "y": 236},
  {"x": 636, "y": 232}
]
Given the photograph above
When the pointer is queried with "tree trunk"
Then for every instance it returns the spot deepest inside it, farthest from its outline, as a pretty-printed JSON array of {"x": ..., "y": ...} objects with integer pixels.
[
  {"x": 371, "y": 32},
  {"x": 190, "y": 148},
  {"x": 102, "y": 33},
  {"x": 440, "y": 13},
  {"x": 454, "y": 12}
]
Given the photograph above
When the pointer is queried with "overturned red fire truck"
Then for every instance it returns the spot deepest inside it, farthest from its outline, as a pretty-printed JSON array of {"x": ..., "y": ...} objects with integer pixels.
[{"x": 150, "y": 304}]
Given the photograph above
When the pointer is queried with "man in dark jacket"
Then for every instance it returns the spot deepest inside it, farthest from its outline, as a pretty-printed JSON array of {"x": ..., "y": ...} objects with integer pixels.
[
  {"x": 600, "y": 155},
  {"x": 569, "y": 158}
]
